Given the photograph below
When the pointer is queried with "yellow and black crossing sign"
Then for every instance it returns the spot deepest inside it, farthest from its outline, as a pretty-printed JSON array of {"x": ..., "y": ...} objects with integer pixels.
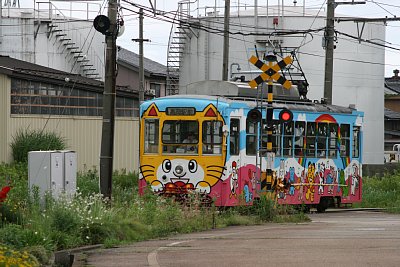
[{"x": 270, "y": 72}]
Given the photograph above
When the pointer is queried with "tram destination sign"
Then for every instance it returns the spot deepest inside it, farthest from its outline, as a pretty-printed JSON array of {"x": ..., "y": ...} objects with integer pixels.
[{"x": 181, "y": 111}]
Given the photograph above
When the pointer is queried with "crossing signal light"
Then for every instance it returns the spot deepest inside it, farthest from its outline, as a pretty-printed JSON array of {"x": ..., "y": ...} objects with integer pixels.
[
  {"x": 254, "y": 115},
  {"x": 285, "y": 116}
]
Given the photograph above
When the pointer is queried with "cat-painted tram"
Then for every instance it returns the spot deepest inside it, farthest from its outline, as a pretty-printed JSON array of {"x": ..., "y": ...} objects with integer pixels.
[{"x": 316, "y": 159}]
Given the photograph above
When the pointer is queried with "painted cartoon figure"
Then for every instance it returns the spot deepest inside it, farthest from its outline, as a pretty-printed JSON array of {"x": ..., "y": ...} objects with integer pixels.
[
  {"x": 248, "y": 196},
  {"x": 291, "y": 181},
  {"x": 310, "y": 180},
  {"x": 320, "y": 175},
  {"x": 300, "y": 186},
  {"x": 354, "y": 179},
  {"x": 234, "y": 180}
]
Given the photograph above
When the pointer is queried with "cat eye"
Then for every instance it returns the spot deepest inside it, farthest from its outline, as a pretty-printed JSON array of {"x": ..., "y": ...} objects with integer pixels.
[
  {"x": 167, "y": 166},
  {"x": 192, "y": 166}
]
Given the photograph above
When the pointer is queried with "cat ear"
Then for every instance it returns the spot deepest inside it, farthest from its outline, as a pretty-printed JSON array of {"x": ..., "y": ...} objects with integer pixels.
[
  {"x": 210, "y": 111},
  {"x": 151, "y": 111}
]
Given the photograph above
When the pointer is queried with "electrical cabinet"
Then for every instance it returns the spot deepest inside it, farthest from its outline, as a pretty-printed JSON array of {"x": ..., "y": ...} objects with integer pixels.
[{"x": 53, "y": 172}]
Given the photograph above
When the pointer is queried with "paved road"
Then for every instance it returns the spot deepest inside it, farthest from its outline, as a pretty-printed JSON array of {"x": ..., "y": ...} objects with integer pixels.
[{"x": 357, "y": 238}]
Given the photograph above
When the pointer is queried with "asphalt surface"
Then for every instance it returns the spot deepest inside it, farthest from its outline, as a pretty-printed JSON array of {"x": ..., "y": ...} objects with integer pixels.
[{"x": 355, "y": 238}]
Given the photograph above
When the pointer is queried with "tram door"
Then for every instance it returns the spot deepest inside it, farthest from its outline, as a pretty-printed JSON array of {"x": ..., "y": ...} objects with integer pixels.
[{"x": 235, "y": 161}]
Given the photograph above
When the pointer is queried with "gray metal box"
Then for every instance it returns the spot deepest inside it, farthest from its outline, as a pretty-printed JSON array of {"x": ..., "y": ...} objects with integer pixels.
[{"x": 53, "y": 172}]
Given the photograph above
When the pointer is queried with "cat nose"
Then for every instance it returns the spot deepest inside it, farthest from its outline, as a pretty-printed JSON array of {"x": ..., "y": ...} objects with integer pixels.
[{"x": 178, "y": 169}]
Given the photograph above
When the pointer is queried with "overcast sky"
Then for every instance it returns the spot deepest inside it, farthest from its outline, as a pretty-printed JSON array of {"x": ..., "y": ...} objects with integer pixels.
[{"x": 158, "y": 31}]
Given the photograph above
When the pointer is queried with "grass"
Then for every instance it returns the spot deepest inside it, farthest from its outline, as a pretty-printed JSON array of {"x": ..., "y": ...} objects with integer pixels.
[
  {"x": 382, "y": 192},
  {"x": 31, "y": 225}
]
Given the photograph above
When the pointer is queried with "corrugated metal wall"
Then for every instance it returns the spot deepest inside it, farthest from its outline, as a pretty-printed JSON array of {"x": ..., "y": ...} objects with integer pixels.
[
  {"x": 4, "y": 114},
  {"x": 83, "y": 135}
]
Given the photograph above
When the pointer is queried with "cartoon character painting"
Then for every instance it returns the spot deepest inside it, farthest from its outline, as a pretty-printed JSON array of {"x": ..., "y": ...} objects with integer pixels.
[
  {"x": 234, "y": 180},
  {"x": 310, "y": 180},
  {"x": 320, "y": 176},
  {"x": 355, "y": 177},
  {"x": 291, "y": 181}
]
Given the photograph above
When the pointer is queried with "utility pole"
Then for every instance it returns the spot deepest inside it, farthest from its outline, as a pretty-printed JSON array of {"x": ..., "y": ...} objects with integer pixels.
[
  {"x": 140, "y": 40},
  {"x": 107, "y": 138},
  {"x": 225, "y": 56},
  {"x": 329, "y": 46}
]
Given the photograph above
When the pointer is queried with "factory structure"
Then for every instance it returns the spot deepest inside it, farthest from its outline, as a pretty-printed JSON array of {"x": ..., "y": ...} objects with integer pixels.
[
  {"x": 50, "y": 37},
  {"x": 196, "y": 53}
]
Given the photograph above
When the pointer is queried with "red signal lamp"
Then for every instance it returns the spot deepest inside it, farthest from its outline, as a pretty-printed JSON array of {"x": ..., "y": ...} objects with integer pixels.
[{"x": 285, "y": 116}]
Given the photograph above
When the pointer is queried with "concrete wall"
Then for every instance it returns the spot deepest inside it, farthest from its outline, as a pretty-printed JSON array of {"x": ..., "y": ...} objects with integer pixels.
[{"x": 29, "y": 40}]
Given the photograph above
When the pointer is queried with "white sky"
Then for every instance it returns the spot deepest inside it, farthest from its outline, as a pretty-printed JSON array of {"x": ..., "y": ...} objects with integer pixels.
[{"x": 158, "y": 31}]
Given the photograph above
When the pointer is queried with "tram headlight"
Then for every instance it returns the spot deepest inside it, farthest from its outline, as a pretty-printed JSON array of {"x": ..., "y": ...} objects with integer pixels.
[{"x": 178, "y": 169}]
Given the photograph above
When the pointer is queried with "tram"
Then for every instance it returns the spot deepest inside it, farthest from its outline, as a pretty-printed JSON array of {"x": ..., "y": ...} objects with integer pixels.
[{"x": 316, "y": 157}]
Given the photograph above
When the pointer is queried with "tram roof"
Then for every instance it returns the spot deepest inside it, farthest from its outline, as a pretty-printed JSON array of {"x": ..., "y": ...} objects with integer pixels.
[{"x": 243, "y": 102}]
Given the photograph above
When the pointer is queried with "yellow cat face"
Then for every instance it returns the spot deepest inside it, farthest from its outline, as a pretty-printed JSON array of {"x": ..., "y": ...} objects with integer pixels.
[{"x": 180, "y": 172}]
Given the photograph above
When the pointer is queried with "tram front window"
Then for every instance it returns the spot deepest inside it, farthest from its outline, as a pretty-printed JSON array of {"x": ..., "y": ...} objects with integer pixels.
[{"x": 180, "y": 136}]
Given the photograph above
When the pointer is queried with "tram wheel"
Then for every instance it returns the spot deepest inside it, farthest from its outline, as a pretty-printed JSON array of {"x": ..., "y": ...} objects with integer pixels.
[{"x": 323, "y": 205}]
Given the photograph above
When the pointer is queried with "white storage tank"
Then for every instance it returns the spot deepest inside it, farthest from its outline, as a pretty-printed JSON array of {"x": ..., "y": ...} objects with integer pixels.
[{"x": 358, "y": 77}]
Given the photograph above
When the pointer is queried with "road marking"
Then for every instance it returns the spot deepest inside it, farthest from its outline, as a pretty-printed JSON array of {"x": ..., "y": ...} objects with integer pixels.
[
  {"x": 369, "y": 229},
  {"x": 152, "y": 256}
]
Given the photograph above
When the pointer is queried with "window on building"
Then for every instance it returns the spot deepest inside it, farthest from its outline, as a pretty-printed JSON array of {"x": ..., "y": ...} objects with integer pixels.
[
  {"x": 155, "y": 88},
  {"x": 29, "y": 97}
]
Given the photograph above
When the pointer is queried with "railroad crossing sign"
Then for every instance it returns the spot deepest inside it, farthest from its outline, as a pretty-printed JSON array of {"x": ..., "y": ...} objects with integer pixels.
[{"x": 270, "y": 72}]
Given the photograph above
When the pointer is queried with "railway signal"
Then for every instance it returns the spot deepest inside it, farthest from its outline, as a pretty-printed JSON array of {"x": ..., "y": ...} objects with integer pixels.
[
  {"x": 285, "y": 116},
  {"x": 270, "y": 72}
]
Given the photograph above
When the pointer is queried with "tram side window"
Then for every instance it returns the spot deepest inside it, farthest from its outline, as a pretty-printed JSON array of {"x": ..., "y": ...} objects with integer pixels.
[
  {"x": 276, "y": 137},
  {"x": 212, "y": 137},
  {"x": 151, "y": 127},
  {"x": 356, "y": 141},
  {"x": 299, "y": 133},
  {"x": 344, "y": 140},
  {"x": 322, "y": 133},
  {"x": 310, "y": 139},
  {"x": 251, "y": 137},
  {"x": 288, "y": 138},
  {"x": 234, "y": 146},
  {"x": 180, "y": 136},
  {"x": 333, "y": 140}
]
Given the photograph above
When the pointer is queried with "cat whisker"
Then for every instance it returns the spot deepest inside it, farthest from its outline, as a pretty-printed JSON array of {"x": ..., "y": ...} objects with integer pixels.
[
  {"x": 220, "y": 172},
  {"x": 214, "y": 176}
]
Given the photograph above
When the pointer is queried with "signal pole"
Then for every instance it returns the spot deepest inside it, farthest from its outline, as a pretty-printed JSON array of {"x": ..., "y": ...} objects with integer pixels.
[{"x": 107, "y": 138}]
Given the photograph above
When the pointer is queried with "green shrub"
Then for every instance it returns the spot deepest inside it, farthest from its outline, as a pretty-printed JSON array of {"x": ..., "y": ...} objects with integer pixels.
[
  {"x": 88, "y": 182},
  {"x": 26, "y": 140}
]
